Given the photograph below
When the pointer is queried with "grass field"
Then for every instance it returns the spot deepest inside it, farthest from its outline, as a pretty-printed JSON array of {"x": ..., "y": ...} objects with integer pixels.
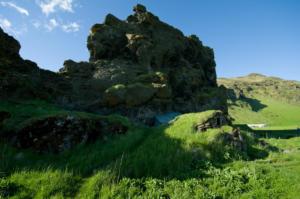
[
  {"x": 277, "y": 115},
  {"x": 169, "y": 161}
]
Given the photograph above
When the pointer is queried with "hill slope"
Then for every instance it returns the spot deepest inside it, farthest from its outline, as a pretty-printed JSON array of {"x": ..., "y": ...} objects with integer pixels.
[{"x": 260, "y": 99}]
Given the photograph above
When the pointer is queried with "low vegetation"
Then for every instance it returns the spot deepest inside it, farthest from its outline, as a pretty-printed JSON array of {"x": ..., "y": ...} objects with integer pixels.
[
  {"x": 168, "y": 161},
  {"x": 258, "y": 99}
]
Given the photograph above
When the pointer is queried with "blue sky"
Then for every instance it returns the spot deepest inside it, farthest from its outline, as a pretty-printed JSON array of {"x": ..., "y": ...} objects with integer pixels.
[{"x": 247, "y": 35}]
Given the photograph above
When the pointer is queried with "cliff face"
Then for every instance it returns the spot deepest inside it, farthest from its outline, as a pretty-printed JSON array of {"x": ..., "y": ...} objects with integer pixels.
[{"x": 138, "y": 67}]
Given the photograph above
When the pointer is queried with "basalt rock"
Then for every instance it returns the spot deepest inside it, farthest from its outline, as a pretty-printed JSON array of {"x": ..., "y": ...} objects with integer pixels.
[
  {"x": 59, "y": 133},
  {"x": 23, "y": 79},
  {"x": 216, "y": 120},
  {"x": 142, "y": 63},
  {"x": 236, "y": 140},
  {"x": 137, "y": 66}
]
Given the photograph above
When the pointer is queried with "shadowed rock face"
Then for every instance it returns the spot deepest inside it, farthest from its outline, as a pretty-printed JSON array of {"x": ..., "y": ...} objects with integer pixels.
[
  {"x": 23, "y": 79},
  {"x": 9, "y": 47},
  {"x": 56, "y": 134}
]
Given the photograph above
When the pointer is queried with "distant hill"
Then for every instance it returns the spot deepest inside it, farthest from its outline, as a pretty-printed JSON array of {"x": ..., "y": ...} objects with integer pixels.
[
  {"x": 256, "y": 84},
  {"x": 258, "y": 98}
]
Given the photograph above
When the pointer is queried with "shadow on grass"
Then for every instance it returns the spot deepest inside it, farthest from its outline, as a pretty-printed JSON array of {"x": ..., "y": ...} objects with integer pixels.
[
  {"x": 255, "y": 104},
  {"x": 283, "y": 134}
]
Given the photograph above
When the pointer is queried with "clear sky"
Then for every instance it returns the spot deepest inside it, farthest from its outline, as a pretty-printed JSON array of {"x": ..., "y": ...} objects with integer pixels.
[{"x": 247, "y": 36}]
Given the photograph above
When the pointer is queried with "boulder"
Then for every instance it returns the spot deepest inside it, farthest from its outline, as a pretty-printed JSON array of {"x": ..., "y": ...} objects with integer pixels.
[
  {"x": 138, "y": 94},
  {"x": 130, "y": 95},
  {"x": 115, "y": 95}
]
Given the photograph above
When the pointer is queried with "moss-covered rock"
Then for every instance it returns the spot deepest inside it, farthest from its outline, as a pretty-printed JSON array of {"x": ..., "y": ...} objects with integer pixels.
[
  {"x": 163, "y": 91},
  {"x": 138, "y": 94},
  {"x": 115, "y": 95},
  {"x": 153, "y": 77},
  {"x": 131, "y": 95}
]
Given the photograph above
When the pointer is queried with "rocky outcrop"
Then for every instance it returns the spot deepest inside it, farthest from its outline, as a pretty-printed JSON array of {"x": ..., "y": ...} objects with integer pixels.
[
  {"x": 142, "y": 64},
  {"x": 59, "y": 133},
  {"x": 216, "y": 120},
  {"x": 23, "y": 79},
  {"x": 235, "y": 139},
  {"x": 9, "y": 48},
  {"x": 139, "y": 67}
]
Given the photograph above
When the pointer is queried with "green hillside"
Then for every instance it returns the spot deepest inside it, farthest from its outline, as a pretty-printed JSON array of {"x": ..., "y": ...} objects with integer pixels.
[{"x": 257, "y": 99}]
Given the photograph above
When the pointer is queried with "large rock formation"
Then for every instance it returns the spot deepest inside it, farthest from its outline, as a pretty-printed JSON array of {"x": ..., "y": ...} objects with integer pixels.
[
  {"x": 142, "y": 66},
  {"x": 138, "y": 67}
]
